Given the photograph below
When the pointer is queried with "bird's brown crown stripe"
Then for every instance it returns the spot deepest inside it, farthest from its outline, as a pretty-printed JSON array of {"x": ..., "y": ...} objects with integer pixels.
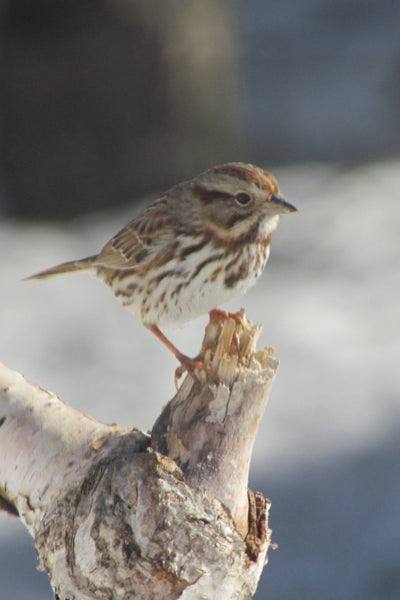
[{"x": 262, "y": 179}]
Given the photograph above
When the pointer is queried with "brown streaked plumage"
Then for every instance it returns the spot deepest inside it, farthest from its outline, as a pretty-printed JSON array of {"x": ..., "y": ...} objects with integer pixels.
[{"x": 200, "y": 244}]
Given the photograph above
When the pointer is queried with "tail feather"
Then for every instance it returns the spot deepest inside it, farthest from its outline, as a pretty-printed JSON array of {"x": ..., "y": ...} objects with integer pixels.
[{"x": 67, "y": 267}]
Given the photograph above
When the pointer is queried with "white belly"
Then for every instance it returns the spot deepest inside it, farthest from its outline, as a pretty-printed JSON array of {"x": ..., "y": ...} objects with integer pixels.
[{"x": 186, "y": 295}]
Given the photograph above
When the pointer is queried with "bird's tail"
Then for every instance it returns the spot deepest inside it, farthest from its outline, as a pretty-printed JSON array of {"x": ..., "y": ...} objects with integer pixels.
[{"x": 67, "y": 267}]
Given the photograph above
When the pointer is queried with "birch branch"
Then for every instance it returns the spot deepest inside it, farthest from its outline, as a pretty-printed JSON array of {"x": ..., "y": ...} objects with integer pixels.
[{"x": 116, "y": 513}]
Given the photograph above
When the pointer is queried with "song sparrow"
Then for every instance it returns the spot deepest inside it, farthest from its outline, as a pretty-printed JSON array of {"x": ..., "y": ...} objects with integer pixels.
[{"x": 200, "y": 244}]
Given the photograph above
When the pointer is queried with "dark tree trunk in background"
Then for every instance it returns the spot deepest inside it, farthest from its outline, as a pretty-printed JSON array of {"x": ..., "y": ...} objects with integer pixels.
[{"x": 103, "y": 101}]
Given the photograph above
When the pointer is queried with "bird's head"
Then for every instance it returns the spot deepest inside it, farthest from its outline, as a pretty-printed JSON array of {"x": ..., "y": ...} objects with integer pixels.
[{"x": 236, "y": 198}]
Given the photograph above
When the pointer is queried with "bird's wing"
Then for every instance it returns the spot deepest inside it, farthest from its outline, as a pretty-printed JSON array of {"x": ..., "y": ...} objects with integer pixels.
[{"x": 138, "y": 242}]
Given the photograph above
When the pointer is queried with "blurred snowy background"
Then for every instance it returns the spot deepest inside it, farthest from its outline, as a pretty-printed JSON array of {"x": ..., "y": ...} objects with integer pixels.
[{"x": 319, "y": 99}]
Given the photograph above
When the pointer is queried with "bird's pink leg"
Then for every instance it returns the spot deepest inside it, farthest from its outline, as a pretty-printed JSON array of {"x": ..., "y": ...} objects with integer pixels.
[{"x": 190, "y": 364}]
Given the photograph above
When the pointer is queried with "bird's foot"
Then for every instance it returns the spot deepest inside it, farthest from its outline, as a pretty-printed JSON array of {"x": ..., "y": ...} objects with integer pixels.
[
  {"x": 224, "y": 314},
  {"x": 192, "y": 366}
]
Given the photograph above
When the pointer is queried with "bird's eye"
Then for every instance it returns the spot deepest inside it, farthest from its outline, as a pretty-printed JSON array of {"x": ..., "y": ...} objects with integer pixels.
[{"x": 243, "y": 198}]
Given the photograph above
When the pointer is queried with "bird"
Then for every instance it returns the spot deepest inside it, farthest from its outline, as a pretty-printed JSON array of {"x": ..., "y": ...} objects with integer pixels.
[{"x": 200, "y": 244}]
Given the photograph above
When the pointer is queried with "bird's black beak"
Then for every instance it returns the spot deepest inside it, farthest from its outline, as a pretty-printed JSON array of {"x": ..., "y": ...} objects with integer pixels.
[{"x": 280, "y": 205}]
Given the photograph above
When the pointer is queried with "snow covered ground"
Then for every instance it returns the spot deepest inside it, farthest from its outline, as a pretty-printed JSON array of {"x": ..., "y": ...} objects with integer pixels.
[{"x": 328, "y": 452}]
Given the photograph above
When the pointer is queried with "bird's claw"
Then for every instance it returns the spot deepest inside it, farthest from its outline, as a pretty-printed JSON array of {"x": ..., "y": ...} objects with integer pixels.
[
  {"x": 219, "y": 312},
  {"x": 192, "y": 366}
]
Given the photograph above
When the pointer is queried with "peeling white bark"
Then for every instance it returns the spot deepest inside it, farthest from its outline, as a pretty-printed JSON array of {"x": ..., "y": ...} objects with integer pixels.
[{"x": 116, "y": 514}]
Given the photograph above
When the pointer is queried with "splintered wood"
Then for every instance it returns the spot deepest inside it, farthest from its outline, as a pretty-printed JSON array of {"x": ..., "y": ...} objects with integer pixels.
[
  {"x": 229, "y": 341},
  {"x": 209, "y": 428}
]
